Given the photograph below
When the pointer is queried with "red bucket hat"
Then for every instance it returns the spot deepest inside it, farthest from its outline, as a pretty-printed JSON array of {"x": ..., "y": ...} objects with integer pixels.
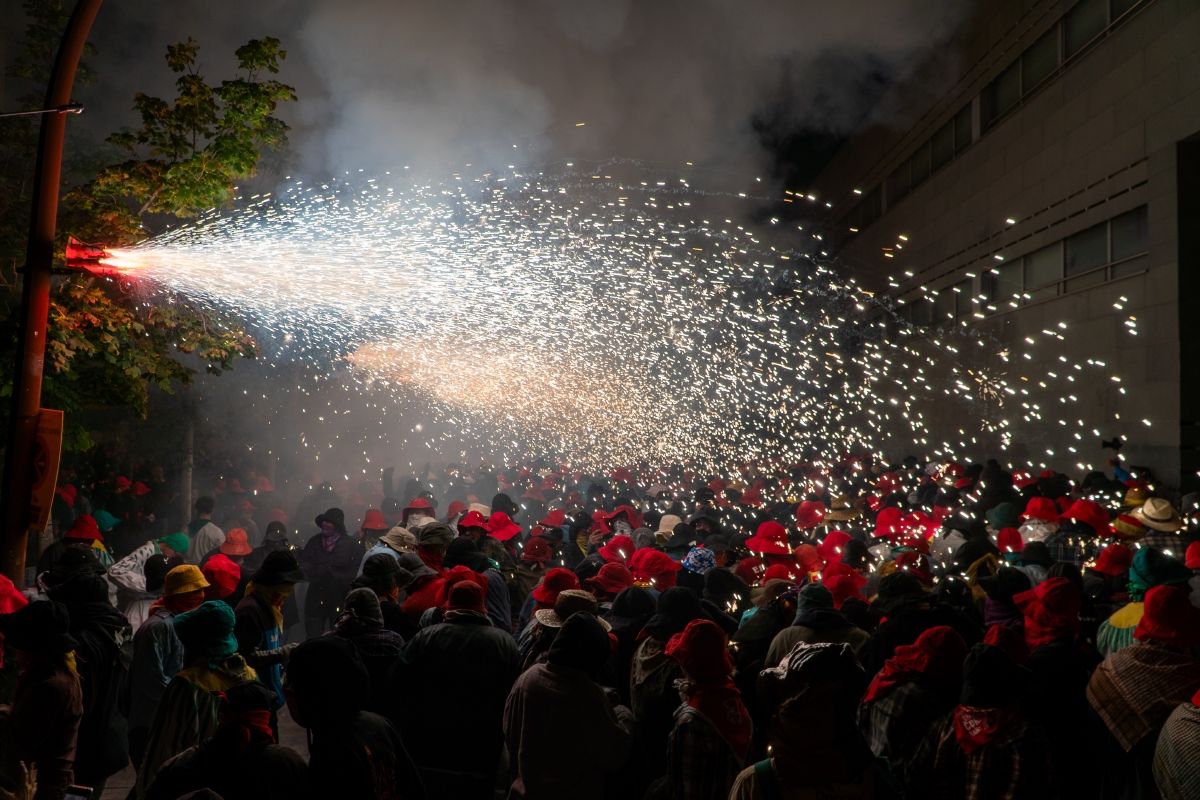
[
  {"x": 702, "y": 650},
  {"x": 1051, "y": 611},
  {"x": 472, "y": 519},
  {"x": 537, "y": 550},
  {"x": 1114, "y": 560},
  {"x": 222, "y": 575},
  {"x": 809, "y": 514},
  {"x": 770, "y": 538},
  {"x": 501, "y": 527},
  {"x": 236, "y": 543},
  {"x": 84, "y": 528},
  {"x": 1091, "y": 514},
  {"x": 612, "y": 578},
  {"x": 844, "y": 586},
  {"x": 554, "y": 581},
  {"x": 554, "y": 518},
  {"x": 653, "y": 567},
  {"x": 890, "y": 522},
  {"x": 1009, "y": 540},
  {"x": 1192, "y": 557},
  {"x": 832, "y": 547},
  {"x": 1041, "y": 509},
  {"x": 1169, "y": 618},
  {"x": 617, "y": 549},
  {"x": 373, "y": 521}
]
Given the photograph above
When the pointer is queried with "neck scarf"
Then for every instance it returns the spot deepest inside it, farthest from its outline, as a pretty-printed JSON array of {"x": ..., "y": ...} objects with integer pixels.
[
  {"x": 721, "y": 704},
  {"x": 330, "y": 540},
  {"x": 976, "y": 727},
  {"x": 244, "y": 726}
]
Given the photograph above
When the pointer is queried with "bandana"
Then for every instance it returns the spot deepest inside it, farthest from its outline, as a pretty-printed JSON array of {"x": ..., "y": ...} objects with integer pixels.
[
  {"x": 699, "y": 560},
  {"x": 975, "y": 727}
]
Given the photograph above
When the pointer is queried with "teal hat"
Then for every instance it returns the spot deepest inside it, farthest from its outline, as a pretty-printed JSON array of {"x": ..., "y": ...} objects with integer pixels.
[
  {"x": 1151, "y": 568},
  {"x": 207, "y": 629},
  {"x": 105, "y": 520},
  {"x": 1003, "y": 516},
  {"x": 179, "y": 542}
]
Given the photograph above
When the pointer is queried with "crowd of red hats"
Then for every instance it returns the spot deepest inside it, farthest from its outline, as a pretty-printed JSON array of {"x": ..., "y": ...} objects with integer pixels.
[{"x": 862, "y": 630}]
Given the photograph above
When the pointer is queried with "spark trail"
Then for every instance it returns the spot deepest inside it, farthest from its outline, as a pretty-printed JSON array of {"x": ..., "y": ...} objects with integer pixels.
[{"x": 604, "y": 321}]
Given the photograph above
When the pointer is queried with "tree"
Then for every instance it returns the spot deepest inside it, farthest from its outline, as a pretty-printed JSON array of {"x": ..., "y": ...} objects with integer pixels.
[{"x": 107, "y": 345}]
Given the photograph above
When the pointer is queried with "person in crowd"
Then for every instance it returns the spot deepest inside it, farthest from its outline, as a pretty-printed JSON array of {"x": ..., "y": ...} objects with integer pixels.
[
  {"x": 259, "y": 623},
  {"x": 361, "y": 624},
  {"x": 986, "y": 746},
  {"x": 203, "y": 534},
  {"x": 917, "y": 686},
  {"x": 241, "y": 760},
  {"x": 1176, "y": 766},
  {"x": 102, "y": 638},
  {"x": 41, "y": 727},
  {"x": 711, "y": 739},
  {"x": 188, "y": 712},
  {"x": 384, "y": 576},
  {"x": 565, "y": 735},
  {"x": 1135, "y": 689},
  {"x": 465, "y": 649},
  {"x": 353, "y": 752},
  {"x": 330, "y": 562},
  {"x": 394, "y": 543},
  {"x": 136, "y": 605},
  {"x": 84, "y": 532},
  {"x": 815, "y": 682},
  {"x": 816, "y": 621},
  {"x": 224, "y": 579},
  {"x": 1149, "y": 568},
  {"x": 158, "y": 653},
  {"x": 128, "y": 575}
]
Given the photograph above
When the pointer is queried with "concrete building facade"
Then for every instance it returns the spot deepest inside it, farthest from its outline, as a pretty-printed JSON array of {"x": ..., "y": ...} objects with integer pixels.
[{"x": 1049, "y": 172}]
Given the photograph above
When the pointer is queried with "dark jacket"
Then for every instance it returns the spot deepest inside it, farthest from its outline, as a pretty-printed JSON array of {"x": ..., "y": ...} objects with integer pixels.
[
  {"x": 329, "y": 573},
  {"x": 361, "y": 757},
  {"x": 104, "y": 643},
  {"x": 379, "y": 650},
  {"x": 460, "y": 670},
  {"x": 259, "y": 770},
  {"x": 43, "y": 729}
]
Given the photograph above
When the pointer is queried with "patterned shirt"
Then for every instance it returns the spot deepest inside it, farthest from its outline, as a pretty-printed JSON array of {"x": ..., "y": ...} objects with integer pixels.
[{"x": 1177, "y": 757}]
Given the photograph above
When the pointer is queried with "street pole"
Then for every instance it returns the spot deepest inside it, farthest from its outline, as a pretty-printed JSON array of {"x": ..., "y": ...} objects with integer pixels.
[{"x": 35, "y": 298}]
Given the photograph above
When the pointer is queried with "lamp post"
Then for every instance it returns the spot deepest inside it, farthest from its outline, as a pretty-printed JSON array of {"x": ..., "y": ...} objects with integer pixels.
[{"x": 35, "y": 296}]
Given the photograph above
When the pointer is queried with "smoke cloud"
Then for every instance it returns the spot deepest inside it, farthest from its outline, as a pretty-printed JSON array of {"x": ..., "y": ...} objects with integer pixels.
[{"x": 440, "y": 85}]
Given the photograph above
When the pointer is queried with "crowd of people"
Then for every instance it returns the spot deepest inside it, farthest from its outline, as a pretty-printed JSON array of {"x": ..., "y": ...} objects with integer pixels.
[{"x": 849, "y": 630}]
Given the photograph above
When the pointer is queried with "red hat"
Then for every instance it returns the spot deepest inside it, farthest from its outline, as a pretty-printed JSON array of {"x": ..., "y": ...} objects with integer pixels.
[
  {"x": 612, "y": 578},
  {"x": 278, "y": 515},
  {"x": 222, "y": 575},
  {"x": 617, "y": 549},
  {"x": 783, "y": 572},
  {"x": 1009, "y": 540},
  {"x": 1022, "y": 480},
  {"x": 123, "y": 483},
  {"x": 844, "y": 586},
  {"x": 964, "y": 483},
  {"x": 1041, "y": 509},
  {"x": 770, "y": 538},
  {"x": 373, "y": 521},
  {"x": 1091, "y": 514},
  {"x": 716, "y": 485},
  {"x": 454, "y": 576},
  {"x": 236, "y": 543},
  {"x": 84, "y": 528},
  {"x": 263, "y": 485},
  {"x": 418, "y": 504},
  {"x": 537, "y": 550},
  {"x": 890, "y": 522},
  {"x": 235, "y": 487},
  {"x": 1169, "y": 618},
  {"x": 1192, "y": 557},
  {"x": 501, "y": 527},
  {"x": 632, "y": 515},
  {"x": 1051, "y": 611},
  {"x": 916, "y": 564},
  {"x": 534, "y": 493},
  {"x": 68, "y": 493},
  {"x": 554, "y": 581},
  {"x": 653, "y": 567},
  {"x": 702, "y": 650},
  {"x": 465, "y": 595},
  {"x": 751, "y": 497},
  {"x": 1114, "y": 560},
  {"x": 808, "y": 558},
  {"x": 833, "y": 545},
  {"x": 140, "y": 489},
  {"x": 11, "y": 598},
  {"x": 472, "y": 519},
  {"x": 809, "y": 514},
  {"x": 455, "y": 508},
  {"x": 554, "y": 518},
  {"x": 245, "y": 507}
]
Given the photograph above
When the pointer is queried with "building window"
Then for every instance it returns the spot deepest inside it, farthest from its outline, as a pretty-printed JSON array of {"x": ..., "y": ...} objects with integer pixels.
[
  {"x": 919, "y": 165},
  {"x": 1043, "y": 272},
  {"x": 1087, "y": 250},
  {"x": 943, "y": 305},
  {"x": 1001, "y": 94},
  {"x": 941, "y": 146},
  {"x": 898, "y": 184},
  {"x": 1083, "y": 23},
  {"x": 1039, "y": 61},
  {"x": 962, "y": 298},
  {"x": 921, "y": 312},
  {"x": 962, "y": 129},
  {"x": 1130, "y": 234},
  {"x": 1003, "y": 285}
]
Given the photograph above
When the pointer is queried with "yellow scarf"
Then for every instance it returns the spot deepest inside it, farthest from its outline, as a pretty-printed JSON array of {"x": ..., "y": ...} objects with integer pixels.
[{"x": 274, "y": 597}]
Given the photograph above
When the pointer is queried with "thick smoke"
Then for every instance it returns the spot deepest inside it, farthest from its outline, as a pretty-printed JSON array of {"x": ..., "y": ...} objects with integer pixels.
[{"x": 440, "y": 85}]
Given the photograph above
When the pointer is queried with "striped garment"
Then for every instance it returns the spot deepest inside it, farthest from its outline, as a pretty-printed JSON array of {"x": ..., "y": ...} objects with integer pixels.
[
  {"x": 1177, "y": 757},
  {"x": 1136, "y": 689}
]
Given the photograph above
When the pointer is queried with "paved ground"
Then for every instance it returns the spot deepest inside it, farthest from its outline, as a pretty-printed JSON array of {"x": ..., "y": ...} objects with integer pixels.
[{"x": 290, "y": 735}]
